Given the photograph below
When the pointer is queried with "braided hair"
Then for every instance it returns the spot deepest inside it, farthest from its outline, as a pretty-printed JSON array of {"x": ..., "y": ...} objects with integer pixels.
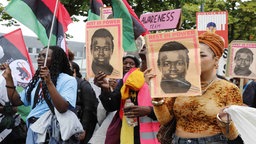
[{"x": 59, "y": 64}]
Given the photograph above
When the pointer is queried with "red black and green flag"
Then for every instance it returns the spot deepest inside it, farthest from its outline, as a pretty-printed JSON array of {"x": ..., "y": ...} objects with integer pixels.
[
  {"x": 120, "y": 11},
  {"x": 38, "y": 16},
  {"x": 13, "y": 51},
  {"x": 138, "y": 27},
  {"x": 94, "y": 12}
]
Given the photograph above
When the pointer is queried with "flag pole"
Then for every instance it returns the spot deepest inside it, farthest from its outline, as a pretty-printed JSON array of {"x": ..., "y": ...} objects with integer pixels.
[{"x": 53, "y": 20}]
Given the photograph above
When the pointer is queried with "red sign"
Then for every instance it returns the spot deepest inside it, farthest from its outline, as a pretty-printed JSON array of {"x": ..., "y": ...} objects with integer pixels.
[{"x": 216, "y": 22}]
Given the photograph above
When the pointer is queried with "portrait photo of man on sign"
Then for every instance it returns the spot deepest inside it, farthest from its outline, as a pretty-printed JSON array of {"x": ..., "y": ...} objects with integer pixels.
[
  {"x": 243, "y": 60},
  {"x": 173, "y": 62},
  {"x": 103, "y": 48},
  {"x": 174, "y": 59}
]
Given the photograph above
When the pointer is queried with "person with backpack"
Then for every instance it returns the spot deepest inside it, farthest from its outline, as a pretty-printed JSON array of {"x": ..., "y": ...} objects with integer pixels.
[{"x": 86, "y": 105}]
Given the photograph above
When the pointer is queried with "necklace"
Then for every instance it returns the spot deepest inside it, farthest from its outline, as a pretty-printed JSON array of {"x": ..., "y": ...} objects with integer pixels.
[{"x": 206, "y": 86}]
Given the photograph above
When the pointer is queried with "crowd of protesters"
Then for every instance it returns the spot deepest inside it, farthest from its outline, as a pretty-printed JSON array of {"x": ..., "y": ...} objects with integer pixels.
[{"x": 100, "y": 103}]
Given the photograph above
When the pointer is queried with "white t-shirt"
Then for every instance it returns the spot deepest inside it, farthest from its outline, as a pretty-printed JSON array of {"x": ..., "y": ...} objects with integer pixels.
[{"x": 3, "y": 99}]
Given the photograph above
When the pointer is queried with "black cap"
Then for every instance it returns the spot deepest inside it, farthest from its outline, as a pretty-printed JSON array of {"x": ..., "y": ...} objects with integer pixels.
[{"x": 136, "y": 59}]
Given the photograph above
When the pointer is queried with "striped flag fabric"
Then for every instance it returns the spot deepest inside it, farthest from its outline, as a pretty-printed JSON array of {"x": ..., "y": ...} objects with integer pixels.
[
  {"x": 120, "y": 11},
  {"x": 138, "y": 26},
  {"x": 13, "y": 48},
  {"x": 13, "y": 51},
  {"x": 38, "y": 16},
  {"x": 94, "y": 12}
]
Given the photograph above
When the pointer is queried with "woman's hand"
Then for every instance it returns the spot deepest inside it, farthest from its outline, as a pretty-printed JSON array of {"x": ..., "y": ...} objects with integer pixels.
[
  {"x": 81, "y": 136},
  {"x": 148, "y": 75},
  {"x": 112, "y": 83},
  {"x": 136, "y": 111},
  {"x": 45, "y": 74},
  {"x": 7, "y": 71},
  {"x": 223, "y": 116},
  {"x": 101, "y": 81}
]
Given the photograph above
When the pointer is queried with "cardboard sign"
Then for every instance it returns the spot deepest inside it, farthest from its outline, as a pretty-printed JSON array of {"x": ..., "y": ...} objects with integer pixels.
[
  {"x": 106, "y": 13},
  {"x": 175, "y": 59},
  {"x": 216, "y": 22},
  {"x": 242, "y": 59},
  {"x": 223, "y": 63},
  {"x": 104, "y": 48},
  {"x": 161, "y": 20}
]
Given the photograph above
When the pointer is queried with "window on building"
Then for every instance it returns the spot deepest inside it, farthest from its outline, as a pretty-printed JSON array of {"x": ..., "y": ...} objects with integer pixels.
[
  {"x": 30, "y": 50},
  {"x": 38, "y": 50}
]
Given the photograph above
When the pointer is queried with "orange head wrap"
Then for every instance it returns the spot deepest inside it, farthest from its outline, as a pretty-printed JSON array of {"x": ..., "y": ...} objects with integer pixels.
[{"x": 214, "y": 41}]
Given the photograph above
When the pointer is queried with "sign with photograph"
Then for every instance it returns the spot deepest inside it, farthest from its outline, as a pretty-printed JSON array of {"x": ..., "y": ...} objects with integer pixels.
[
  {"x": 161, "y": 20},
  {"x": 106, "y": 13},
  {"x": 242, "y": 59},
  {"x": 175, "y": 58},
  {"x": 104, "y": 50},
  {"x": 223, "y": 63},
  {"x": 216, "y": 22}
]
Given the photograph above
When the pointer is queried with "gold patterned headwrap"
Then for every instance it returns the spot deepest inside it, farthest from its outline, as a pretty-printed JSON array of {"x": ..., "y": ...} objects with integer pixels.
[{"x": 214, "y": 41}]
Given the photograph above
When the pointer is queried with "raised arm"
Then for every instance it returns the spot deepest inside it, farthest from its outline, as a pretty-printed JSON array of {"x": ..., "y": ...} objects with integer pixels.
[{"x": 12, "y": 93}]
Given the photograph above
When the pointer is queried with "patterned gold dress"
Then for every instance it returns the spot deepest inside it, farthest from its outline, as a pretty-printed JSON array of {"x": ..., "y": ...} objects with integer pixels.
[{"x": 197, "y": 114}]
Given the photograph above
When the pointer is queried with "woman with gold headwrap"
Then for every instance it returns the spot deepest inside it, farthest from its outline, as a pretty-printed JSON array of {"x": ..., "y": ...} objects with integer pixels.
[{"x": 196, "y": 121}]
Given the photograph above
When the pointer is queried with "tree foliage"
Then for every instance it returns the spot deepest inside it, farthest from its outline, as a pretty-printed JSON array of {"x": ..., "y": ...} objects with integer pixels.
[{"x": 241, "y": 19}]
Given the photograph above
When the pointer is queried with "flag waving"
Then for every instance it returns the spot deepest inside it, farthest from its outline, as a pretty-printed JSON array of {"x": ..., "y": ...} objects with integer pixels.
[
  {"x": 120, "y": 11},
  {"x": 94, "y": 12},
  {"x": 138, "y": 27},
  {"x": 13, "y": 51},
  {"x": 38, "y": 15}
]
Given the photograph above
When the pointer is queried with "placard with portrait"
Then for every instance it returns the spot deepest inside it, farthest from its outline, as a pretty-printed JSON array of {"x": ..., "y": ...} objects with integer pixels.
[
  {"x": 106, "y": 13},
  {"x": 175, "y": 59},
  {"x": 241, "y": 59},
  {"x": 104, "y": 50}
]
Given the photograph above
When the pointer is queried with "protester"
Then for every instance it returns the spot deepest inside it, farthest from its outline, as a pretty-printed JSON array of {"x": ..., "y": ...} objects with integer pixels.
[
  {"x": 86, "y": 104},
  {"x": 11, "y": 130},
  {"x": 249, "y": 93},
  {"x": 142, "y": 109},
  {"x": 248, "y": 87},
  {"x": 71, "y": 55},
  {"x": 195, "y": 116},
  {"x": 52, "y": 86},
  {"x": 76, "y": 70},
  {"x": 104, "y": 118}
]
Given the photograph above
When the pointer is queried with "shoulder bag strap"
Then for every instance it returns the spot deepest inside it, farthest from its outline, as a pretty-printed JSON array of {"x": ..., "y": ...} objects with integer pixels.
[
  {"x": 36, "y": 95},
  {"x": 49, "y": 103}
]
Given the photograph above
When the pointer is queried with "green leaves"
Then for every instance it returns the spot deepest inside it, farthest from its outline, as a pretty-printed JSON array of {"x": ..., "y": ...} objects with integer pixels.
[{"x": 242, "y": 14}]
